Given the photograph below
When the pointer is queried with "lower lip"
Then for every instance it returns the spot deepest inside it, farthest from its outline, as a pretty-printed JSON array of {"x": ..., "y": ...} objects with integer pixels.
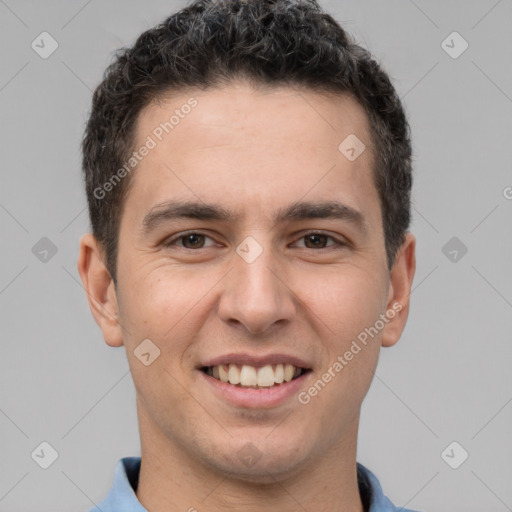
[{"x": 255, "y": 398}]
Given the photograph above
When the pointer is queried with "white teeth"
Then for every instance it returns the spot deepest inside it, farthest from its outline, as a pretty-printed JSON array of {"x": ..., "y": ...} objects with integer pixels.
[
  {"x": 250, "y": 376},
  {"x": 288, "y": 372},
  {"x": 266, "y": 376},
  {"x": 279, "y": 374},
  {"x": 223, "y": 373},
  {"x": 234, "y": 374}
]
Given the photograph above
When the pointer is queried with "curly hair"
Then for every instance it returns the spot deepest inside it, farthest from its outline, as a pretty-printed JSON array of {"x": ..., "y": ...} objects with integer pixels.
[{"x": 269, "y": 42}]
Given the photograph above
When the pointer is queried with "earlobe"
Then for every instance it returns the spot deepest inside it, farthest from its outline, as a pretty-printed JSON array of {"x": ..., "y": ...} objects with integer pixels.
[
  {"x": 100, "y": 289},
  {"x": 402, "y": 275}
]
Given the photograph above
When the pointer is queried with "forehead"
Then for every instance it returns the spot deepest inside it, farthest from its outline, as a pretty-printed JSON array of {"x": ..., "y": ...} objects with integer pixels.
[
  {"x": 244, "y": 145},
  {"x": 235, "y": 111}
]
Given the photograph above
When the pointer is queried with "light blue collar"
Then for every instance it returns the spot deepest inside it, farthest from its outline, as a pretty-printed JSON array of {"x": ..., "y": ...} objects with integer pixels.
[{"x": 122, "y": 497}]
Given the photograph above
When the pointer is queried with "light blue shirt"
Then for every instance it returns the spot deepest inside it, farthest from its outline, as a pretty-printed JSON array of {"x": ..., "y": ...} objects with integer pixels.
[{"x": 122, "y": 498}]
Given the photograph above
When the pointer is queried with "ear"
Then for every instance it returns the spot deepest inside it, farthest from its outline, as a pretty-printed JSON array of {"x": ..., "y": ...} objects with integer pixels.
[
  {"x": 402, "y": 274},
  {"x": 100, "y": 289}
]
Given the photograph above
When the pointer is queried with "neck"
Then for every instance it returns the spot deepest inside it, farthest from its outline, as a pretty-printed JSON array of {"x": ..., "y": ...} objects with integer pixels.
[{"x": 172, "y": 480}]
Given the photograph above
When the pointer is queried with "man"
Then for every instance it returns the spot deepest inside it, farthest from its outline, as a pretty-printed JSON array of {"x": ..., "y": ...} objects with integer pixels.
[{"x": 248, "y": 174}]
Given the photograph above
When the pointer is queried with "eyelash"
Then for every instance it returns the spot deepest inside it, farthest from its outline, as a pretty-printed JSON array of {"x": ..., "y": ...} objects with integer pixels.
[{"x": 180, "y": 236}]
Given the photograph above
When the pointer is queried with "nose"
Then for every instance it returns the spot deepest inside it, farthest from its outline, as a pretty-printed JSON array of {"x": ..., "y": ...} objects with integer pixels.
[{"x": 257, "y": 295}]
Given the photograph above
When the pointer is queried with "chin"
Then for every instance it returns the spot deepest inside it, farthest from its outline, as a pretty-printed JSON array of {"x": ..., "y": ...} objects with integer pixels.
[{"x": 261, "y": 461}]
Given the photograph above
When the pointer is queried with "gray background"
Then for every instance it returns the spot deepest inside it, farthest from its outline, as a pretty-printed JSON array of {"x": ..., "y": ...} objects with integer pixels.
[{"x": 447, "y": 380}]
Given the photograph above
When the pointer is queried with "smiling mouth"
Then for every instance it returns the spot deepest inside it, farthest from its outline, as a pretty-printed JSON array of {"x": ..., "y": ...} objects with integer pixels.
[{"x": 255, "y": 377}]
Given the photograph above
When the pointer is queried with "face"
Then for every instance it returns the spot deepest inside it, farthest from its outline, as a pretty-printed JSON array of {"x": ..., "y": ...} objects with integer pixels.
[{"x": 251, "y": 249}]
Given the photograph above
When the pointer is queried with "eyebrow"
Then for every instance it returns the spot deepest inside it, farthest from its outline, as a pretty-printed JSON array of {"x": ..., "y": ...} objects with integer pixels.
[{"x": 172, "y": 210}]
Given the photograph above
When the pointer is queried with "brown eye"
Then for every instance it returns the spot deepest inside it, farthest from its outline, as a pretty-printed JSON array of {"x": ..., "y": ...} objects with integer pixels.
[
  {"x": 191, "y": 240},
  {"x": 317, "y": 240}
]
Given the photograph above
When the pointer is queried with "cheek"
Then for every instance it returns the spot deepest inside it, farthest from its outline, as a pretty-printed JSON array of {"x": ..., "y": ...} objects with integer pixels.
[
  {"x": 346, "y": 305},
  {"x": 346, "y": 302},
  {"x": 169, "y": 306},
  {"x": 161, "y": 300}
]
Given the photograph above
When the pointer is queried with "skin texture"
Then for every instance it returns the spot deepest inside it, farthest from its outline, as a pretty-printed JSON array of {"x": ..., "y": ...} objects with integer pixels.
[{"x": 252, "y": 152}]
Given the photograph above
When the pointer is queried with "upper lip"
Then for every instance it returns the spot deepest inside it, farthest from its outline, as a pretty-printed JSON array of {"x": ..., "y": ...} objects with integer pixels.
[{"x": 254, "y": 360}]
